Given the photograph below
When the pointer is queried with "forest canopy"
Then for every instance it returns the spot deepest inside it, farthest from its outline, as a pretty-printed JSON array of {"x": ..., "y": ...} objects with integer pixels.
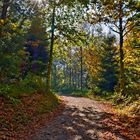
[{"x": 70, "y": 45}]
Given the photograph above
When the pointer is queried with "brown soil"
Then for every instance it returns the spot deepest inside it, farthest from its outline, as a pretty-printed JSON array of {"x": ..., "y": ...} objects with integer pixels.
[{"x": 86, "y": 119}]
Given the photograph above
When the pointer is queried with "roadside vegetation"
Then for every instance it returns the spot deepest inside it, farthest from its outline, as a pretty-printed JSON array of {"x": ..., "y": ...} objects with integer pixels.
[{"x": 79, "y": 48}]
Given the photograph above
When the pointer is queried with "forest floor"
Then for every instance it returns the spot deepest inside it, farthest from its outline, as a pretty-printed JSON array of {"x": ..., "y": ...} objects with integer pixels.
[
  {"x": 20, "y": 117},
  {"x": 86, "y": 119}
]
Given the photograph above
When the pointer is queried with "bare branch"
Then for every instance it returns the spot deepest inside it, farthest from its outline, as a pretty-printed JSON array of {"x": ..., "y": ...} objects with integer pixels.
[
  {"x": 113, "y": 29},
  {"x": 116, "y": 25}
]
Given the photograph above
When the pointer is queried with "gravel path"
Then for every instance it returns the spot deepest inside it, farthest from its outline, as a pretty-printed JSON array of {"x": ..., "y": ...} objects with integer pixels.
[{"x": 82, "y": 119}]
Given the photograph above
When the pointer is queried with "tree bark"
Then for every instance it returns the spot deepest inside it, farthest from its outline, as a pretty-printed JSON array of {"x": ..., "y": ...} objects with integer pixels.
[
  {"x": 81, "y": 51},
  {"x": 5, "y": 6},
  {"x": 70, "y": 68},
  {"x": 54, "y": 77},
  {"x": 48, "y": 86},
  {"x": 78, "y": 80},
  {"x": 122, "y": 77},
  {"x": 70, "y": 78}
]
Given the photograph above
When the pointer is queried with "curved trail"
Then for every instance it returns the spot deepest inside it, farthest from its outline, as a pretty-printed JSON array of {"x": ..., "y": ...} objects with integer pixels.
[{"x": 82, "y": 119}]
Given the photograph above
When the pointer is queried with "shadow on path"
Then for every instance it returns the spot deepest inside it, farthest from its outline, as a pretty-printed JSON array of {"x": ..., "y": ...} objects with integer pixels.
[{"x": 81, "y": 120}]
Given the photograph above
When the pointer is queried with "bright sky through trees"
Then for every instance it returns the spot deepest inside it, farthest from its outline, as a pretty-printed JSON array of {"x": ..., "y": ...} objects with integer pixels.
[{"x": 39, "y": 1}]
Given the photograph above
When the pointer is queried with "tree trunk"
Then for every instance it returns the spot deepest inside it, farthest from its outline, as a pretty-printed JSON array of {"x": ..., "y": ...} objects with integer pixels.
[
  {"x": 78, "y": 80},
  {"x": 54, "y": 77},
  {"x": 122, "y": 77},
  {"x": 66, "y": 76},
  {"x": 70, "y": 78},
  {"x": 81, "y": 51},
  {"x": 5, "y": 6},
  {"x": 70, "y": 69},
  {"x": 48, "y": 87}
]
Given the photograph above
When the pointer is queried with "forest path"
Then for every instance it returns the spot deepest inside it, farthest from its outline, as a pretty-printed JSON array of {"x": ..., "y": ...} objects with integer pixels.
[{"x": 82, "y": 119}]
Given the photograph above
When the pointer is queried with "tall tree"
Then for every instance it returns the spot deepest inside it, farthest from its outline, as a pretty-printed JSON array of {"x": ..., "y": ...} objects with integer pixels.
[
  {"x": 108, "y": 73},
  {"x": 51, "y": 52},
  {"x": 81, "y": 61},
  {"x": 118, "y": 16}
]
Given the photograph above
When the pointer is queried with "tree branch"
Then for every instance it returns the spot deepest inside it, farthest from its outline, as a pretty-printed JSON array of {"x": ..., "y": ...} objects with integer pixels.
[
  {"x": 113, "y": 30},
  {"x": 129, "y": 30},
  {"x": 125, "y": 26}
]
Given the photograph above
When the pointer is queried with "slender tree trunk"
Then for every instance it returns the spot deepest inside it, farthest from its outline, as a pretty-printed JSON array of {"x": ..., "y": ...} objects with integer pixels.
[
  {"x": 70, "y": 78},
  {"x": 3, "y": 16},
  {"x": 78, "y": 80},
  {"x": 54, "y": 77},
  {"x": 81, "y": 51},
  {"x": 122, "y": 77},
  {"x": 75, "y": 78},
  {"x": 48, "y": 87},
  {"x": 5, "y": 6},
  {"x": 66, "y": 76},
  {"x": 70, "y": 69},
  {"x": 64, "y": 73}
]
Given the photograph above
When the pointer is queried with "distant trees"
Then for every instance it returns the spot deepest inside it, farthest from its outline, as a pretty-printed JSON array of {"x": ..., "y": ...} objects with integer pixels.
[
  {"x": 101, "y": 64},
  {"x": 64, "y": 26}
]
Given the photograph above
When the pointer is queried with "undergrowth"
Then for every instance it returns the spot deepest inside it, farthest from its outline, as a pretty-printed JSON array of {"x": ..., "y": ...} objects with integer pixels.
[{"x": 125, "y": 105}]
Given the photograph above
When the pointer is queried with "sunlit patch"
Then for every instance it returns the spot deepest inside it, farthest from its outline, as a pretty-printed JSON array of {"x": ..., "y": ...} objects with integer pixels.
[{"x": 38, "y": 1}]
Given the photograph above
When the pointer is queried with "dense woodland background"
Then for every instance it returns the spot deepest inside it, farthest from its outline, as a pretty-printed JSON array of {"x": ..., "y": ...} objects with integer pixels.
[{"x": 87, "y": 48}]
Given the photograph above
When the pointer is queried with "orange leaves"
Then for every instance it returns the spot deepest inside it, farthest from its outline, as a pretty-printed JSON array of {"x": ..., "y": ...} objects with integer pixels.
[
  {"x": 15, "y": 118},
  {"x": 92, "y": 61}
]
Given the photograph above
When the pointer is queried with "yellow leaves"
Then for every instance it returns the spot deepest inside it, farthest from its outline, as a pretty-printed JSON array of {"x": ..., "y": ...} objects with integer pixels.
[
  {"x": 13, "y": 26},
  {"x": 138, "y": 5},
  {"x": 1, "y": 22},
  {"x": 131, "y": 109},
  {"x": 8, "y": 28},
  {"x": 137, "y": 69},
  {"x": 92, "y": 62},
  {"x": 22, "y": 53},
  {"x": 8, "y": 24}
]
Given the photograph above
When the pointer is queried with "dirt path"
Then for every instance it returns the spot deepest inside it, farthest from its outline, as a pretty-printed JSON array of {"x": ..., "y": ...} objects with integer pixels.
[{"x": 83, "y": 119}]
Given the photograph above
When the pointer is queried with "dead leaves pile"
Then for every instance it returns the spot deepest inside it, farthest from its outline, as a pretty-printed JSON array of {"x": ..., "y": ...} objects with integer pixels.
[{"x": 20, "y": 120}]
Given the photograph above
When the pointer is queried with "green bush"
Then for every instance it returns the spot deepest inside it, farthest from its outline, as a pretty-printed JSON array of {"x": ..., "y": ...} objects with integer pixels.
[
  {"x": 5, "y": 90},
  {"x": 29, "y": 85}
]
